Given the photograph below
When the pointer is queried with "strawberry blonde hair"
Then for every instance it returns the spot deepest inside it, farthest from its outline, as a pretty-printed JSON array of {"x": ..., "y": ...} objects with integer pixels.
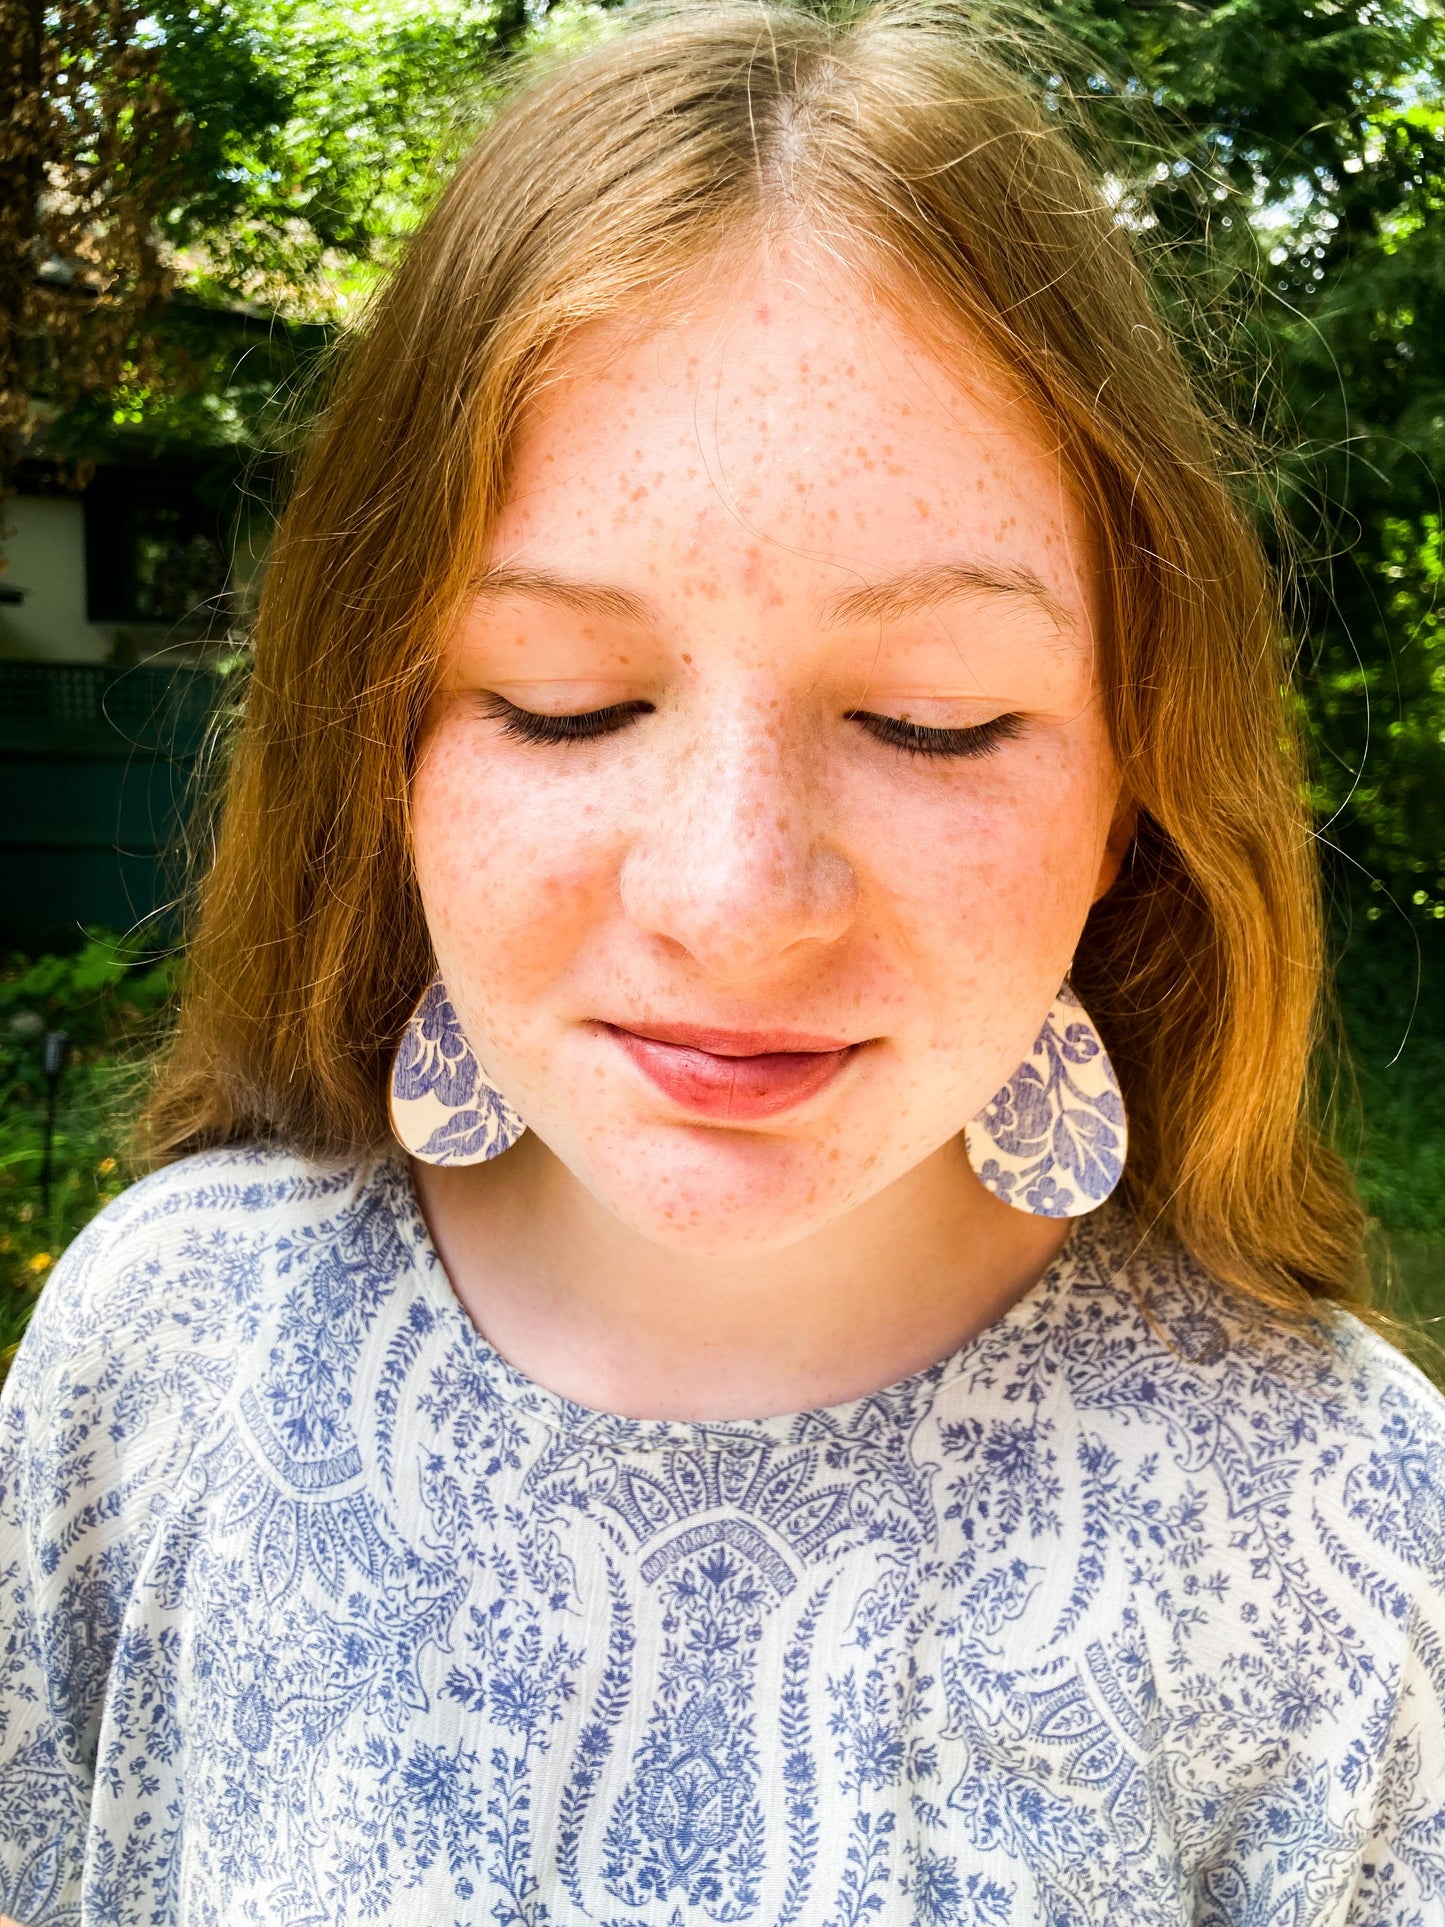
[{"x": 604, "y": 181}]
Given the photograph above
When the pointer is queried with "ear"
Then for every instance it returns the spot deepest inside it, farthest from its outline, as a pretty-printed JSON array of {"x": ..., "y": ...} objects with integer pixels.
[{"x": 1116, "y": 847}]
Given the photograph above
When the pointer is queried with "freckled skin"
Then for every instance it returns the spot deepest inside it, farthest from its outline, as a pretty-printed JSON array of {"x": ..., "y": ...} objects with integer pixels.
[{"x": 747, "y": 857}]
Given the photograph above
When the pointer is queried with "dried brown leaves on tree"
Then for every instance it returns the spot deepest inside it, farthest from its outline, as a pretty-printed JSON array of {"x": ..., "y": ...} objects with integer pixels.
[{"x": 91, "y": 146}]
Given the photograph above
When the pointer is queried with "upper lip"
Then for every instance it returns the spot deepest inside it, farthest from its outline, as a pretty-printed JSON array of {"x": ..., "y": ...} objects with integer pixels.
[{"x": 735, "y": 1043}]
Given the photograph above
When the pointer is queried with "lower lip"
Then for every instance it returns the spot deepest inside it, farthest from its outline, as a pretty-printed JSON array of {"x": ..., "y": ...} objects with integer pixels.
[{"x": 734, "y": 1088}]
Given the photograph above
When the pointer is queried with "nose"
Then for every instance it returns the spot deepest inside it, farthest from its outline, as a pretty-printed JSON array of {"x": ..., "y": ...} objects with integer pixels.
[{"x": 734, "y": 864}]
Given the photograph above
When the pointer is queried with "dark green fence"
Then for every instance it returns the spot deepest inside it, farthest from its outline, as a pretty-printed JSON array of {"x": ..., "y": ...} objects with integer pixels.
[{"x": 98, "y": 769}]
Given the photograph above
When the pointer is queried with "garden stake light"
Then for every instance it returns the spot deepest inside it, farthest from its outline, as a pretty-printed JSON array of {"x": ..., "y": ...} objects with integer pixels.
[{"x": 55, "y": 1053}]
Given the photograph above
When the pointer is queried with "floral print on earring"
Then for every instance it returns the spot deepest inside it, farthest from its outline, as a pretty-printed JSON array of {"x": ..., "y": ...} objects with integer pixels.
[
  {"x": 443, "y": 1110},
  {"x": 1053, "y": 1141}
]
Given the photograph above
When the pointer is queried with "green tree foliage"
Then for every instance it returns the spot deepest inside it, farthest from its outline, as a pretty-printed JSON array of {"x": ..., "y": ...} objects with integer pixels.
[
  {"x": 318, "y": 133},
  {"x": 110, "y": 998},
  {"x": 185, "y": 187},
  {"x": 1287, "y": 160}
]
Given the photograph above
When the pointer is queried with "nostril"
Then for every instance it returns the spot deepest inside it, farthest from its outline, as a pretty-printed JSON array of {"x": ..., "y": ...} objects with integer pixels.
[{"x": 735, "y": 908}]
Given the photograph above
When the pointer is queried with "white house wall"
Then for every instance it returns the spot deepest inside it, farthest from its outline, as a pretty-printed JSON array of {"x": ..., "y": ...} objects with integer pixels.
[{"x": 45, "y": 544}]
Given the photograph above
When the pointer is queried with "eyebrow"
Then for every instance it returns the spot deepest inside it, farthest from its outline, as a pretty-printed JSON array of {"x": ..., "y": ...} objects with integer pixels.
[
  {"x": 918, "y": 589},
  {"x": 897, "y": 595},
  {"x": 587, "y": 598}
]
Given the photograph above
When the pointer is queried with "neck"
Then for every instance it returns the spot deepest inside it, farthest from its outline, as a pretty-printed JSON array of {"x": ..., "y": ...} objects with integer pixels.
[{"x": 582, "y": 1304}]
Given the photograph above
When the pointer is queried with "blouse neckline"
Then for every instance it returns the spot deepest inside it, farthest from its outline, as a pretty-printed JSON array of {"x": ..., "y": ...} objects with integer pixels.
[{"x": 891, "y": 1407}]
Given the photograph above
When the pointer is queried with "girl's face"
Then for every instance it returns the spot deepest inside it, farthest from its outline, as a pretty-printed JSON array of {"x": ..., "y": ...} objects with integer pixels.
[{"x": 769, "y": 786}]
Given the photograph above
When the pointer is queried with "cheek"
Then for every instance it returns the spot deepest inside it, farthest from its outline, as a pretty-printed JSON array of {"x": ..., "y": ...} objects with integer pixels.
[
  {"x": 508, "y": 888},
  {"x": 987, "y": 882}
]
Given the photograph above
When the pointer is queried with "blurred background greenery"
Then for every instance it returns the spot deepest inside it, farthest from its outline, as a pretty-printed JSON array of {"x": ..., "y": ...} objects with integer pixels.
[{"x": 197, "y": 196}]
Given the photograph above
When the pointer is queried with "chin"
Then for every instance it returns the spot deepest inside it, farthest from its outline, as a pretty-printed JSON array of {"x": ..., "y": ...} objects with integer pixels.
[{"x": 728, "y": 1197}]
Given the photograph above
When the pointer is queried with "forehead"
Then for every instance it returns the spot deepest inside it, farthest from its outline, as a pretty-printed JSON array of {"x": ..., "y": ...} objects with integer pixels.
[{"x": 785, "y": 425}]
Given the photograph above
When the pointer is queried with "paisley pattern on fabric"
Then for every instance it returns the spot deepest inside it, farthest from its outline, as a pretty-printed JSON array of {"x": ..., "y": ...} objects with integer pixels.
[
  {"x": 443, "y": 1110},
  {"x": 1053, "y": 1141},
  {"x": 314, "y": 1611}
]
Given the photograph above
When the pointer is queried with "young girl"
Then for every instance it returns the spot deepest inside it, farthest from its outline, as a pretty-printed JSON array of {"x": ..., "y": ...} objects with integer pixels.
[{"x": 766, "y": 774}]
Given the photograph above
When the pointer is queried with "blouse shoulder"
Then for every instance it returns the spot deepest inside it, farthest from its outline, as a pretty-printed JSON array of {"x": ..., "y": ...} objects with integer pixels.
[
  {"x": 131, "y": 1352},
  {"x": 1323, "y": 1429},
  {"x": 138, "y": 1333},
  {"x": 1387, "y": 1482},
  {"x": 150, "y": 1322},
  {"x": 168, "y": 1279}
]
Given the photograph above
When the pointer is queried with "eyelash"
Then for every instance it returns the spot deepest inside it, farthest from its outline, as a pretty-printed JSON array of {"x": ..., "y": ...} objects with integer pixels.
[
  {"x": 529, "y": 726},
  {"x": 914, "y": 740}
]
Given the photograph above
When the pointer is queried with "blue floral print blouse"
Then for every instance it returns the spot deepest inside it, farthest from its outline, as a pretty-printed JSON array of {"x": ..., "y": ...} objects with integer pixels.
[{"x": 313, "y": 1610}]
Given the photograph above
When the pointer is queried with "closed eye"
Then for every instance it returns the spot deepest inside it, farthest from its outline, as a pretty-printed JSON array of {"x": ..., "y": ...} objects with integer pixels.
[
  {"x": 532, "y": 726},
  {"x": 916, "y": 740}
]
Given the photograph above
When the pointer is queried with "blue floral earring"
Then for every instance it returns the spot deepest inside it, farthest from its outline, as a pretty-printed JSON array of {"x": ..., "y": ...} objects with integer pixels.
[
  {"x": 443, "y": 1110},
  {"x": 1053, "y": 1141}
]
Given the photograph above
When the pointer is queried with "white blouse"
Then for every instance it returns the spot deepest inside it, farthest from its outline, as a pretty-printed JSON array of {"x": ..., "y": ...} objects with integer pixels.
[{"x": 313, "y": 1610}]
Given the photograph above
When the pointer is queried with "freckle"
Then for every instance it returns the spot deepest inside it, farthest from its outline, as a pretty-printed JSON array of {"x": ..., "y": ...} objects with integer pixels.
[
  {"x": 923, "y": 509},
  {"x": 688, "y": 660}
]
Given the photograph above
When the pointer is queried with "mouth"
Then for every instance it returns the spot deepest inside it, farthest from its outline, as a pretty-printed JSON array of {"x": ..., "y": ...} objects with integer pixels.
[{"x": 733, "y": 1075}]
